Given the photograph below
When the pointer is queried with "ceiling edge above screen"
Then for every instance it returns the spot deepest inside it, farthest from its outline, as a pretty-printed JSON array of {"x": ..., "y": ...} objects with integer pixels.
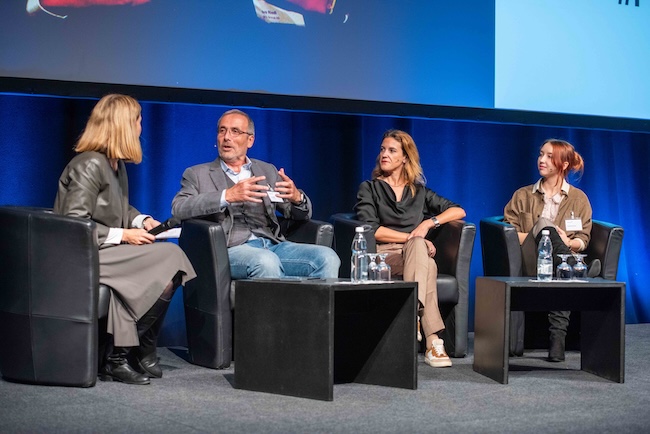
[{"x": 328, "y": 105}]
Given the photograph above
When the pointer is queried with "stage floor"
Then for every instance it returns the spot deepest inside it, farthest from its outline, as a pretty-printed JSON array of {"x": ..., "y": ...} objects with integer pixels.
[{"x": 540, "y": 397}]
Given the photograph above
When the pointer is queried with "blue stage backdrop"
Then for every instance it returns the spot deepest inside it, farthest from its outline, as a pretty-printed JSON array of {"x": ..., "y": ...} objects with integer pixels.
[{"x": 476, "y": 164}]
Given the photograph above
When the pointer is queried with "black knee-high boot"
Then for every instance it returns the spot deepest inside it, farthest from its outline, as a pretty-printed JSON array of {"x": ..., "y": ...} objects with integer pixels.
[
  {"x": 117, "y": 368},
  {"x": 559, "y": 323},
  {"x": 148, "y": 329}
]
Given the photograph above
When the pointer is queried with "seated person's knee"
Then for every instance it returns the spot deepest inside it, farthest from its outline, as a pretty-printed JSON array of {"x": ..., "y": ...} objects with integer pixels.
[{"x": 266, "y": 264}]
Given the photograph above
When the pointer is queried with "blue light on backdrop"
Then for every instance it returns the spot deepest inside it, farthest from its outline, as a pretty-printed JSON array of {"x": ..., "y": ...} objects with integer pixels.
[
  {"x": 479, "y": 84},
  {"x": 477, "y": 164}
]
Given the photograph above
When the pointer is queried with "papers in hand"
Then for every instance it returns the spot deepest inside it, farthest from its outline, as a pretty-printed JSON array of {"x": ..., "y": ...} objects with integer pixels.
[{"x": 170, "y": 233}]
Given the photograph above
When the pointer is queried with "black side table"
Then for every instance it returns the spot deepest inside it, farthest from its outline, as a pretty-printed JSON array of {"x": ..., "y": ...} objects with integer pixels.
[
  {"x": 602, "y": 306},
  {"x": 299, "y": 337}
]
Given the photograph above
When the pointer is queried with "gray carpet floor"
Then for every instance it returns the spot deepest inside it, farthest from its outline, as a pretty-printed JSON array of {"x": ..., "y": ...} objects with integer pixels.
[{"x": 541, "y": 397}]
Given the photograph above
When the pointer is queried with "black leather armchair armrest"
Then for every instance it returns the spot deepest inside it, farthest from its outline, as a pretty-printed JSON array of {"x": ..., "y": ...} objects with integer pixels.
[
  {"x": 208, "y": 314},
  {"x": 456, "y": 241},
  {"x": 308, "y": 231},
  {"x": 500, "y": 248},
  {"x": 605, "y": 244}
]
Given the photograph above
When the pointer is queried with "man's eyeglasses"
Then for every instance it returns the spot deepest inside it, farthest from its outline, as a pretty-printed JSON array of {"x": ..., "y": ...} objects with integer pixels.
[{"x": 234, "y": 132}]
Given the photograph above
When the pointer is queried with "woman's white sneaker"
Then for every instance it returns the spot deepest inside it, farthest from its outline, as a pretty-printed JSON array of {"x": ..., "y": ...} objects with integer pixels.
[{"x": 436, "y": 355}]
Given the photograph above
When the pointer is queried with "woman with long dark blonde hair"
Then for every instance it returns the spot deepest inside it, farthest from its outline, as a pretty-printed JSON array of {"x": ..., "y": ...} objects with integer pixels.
[
  {"x": 401, "y": 210},
  {"x": 552, "y": 203},
  {"x": 142, "y": 275}
]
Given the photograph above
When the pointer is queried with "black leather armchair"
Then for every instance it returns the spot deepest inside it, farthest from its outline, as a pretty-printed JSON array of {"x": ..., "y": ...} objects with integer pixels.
[
  {"x": 502, "y": 257},
  {"x": 454, "y": 243},
  {"x": 209, "y": 298},
  {"x": 51, "y": 301}
]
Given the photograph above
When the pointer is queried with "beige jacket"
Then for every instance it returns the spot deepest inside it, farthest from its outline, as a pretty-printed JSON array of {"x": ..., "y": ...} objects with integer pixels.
[{"x": 525, "y": 208}]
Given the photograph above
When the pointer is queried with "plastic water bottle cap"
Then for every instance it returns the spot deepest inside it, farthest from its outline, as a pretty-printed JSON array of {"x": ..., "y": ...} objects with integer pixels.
[
  {"x": 546, "y": 232},
  {"x": 358, "y": 229}
]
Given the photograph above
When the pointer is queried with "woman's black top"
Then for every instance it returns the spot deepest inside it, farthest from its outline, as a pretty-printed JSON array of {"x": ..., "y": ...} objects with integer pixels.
[{"x": 378, "y": 206}]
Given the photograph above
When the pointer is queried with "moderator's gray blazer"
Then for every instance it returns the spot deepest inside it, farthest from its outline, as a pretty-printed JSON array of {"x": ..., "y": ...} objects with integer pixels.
[{"x": 200, "y": 196}]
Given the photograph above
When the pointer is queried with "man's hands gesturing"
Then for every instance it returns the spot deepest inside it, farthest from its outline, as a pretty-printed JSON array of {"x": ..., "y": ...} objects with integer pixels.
[
  {"x": 247, "y": 190},
  {"x": 287, "y": 189}
]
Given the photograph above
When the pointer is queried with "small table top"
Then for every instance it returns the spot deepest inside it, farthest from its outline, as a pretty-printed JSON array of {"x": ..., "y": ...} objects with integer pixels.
[
  {"x": 336, "y": 283},
  {"x": 531, "y": 281}
]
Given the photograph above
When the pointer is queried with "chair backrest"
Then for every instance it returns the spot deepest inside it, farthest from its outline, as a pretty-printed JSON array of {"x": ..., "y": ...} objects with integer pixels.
[
  {"x": 48, "y": 303},
  {"x": 502, "y": 252}
]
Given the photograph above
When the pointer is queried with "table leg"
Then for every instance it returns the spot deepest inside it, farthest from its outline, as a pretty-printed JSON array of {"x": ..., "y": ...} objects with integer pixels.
[
  {"x": 492, "y": 329},
  {"x": 602, "y": 338}
]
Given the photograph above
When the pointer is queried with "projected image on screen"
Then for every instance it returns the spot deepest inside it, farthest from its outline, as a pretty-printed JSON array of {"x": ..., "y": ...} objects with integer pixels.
[
  {"x": 34, "y": 6},
  {"x": 406, "y": 51},
  {"x": 273, "y": 12}
]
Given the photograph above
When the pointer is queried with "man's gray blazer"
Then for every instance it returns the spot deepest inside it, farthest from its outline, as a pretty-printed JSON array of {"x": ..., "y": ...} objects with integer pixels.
[{"x": 200, "y": 196}]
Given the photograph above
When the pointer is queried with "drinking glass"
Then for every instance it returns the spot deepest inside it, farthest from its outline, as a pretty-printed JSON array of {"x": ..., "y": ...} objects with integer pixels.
[
  {"x": 383, "y": 269},
  {"x": 372, "y": 267},
  {"x": 564, "y": 270},
  {"x": 580, "y": 268}
]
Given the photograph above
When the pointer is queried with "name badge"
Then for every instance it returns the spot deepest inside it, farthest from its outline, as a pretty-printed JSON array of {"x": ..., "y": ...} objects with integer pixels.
[
  {"x": 273, "y": 196},
  {"x": 574, "y": 224}
]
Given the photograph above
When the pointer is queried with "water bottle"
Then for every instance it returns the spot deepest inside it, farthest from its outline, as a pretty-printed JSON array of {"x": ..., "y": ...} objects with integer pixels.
[
  {"x": 545, "y": 257},
  {"x": 359, "y": 265}
]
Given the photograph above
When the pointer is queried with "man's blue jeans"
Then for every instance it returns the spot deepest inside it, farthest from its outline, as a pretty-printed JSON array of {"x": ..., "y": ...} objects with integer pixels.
[{"x": 262, "y": 257}]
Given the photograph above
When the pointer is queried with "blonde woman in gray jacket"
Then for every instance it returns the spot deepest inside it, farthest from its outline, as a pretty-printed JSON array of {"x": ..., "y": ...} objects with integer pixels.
[{"x": 142, "y": 275}]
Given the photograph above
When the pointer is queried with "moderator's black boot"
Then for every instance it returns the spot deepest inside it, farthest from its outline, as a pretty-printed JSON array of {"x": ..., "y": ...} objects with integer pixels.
[
  {"x": 148, "y": 329},
  {"x": 117, "y": 368}
]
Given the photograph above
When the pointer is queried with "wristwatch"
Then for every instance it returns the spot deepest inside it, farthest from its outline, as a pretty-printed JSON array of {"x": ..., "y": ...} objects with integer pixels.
[
  {"x": 303, "y": 199},
  {"x": 436, "y": 223}
]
